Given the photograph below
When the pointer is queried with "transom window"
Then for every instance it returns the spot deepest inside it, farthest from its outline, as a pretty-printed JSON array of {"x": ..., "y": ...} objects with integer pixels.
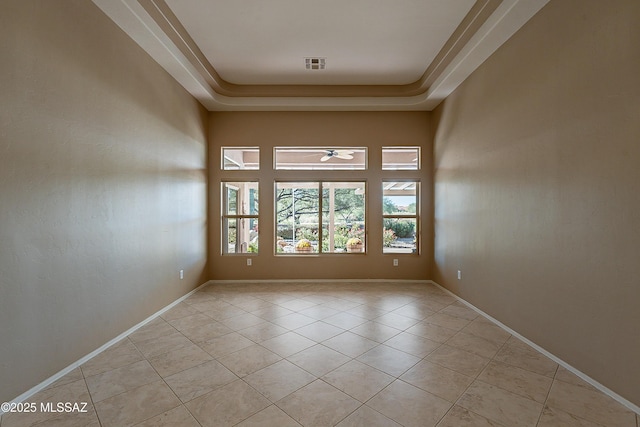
[
  {"x": 240, "y": 158},
  {"x": 320, "y": 158},
  {"x": 400, "y": 158}
]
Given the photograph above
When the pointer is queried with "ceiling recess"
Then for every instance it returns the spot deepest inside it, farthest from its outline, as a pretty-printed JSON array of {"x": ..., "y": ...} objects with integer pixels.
[{"x": 400, "y": 57}]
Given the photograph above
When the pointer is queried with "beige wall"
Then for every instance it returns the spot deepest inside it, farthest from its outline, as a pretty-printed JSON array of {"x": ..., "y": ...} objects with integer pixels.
[
  {"x": 102, "y": 187},
  {"x": 537, "y": 173},
  {"x": 372, "y": 129}
]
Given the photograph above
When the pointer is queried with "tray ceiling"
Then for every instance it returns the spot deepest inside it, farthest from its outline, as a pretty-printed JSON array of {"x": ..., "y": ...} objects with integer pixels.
[{"x": 377, "y": 55}]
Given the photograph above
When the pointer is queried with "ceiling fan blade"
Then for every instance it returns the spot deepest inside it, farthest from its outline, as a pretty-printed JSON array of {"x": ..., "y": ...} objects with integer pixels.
[
  {"x": 325, "y": 158},
  {"x": 344, "y": 156}
]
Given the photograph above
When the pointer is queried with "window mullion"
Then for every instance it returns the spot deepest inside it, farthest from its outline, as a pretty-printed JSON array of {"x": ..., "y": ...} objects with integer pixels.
[{"x": 320, "y": 212}]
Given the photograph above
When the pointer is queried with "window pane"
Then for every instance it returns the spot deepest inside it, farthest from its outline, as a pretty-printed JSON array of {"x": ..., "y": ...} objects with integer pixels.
[
  {"x": 240, "y": 235},
  {"x": 239, "y": 217},
  {"x": 297, "y": 213},
  {"x": 238, "y": 158},
  {"x": 400, "y": 198},
  {"x": 399, "y": 235},
  {"x": 232, "y": 200},
  {"x": 320, "y": 158},
  {"x": 241, "y": 198},
  {"x": 343, "y": 217},
  {"x": 400, "y": 216},
  {"x": 400, "y": 158}
]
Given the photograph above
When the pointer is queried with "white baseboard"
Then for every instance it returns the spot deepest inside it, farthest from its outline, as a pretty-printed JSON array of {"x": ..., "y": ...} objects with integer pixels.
[
  {"x": 583, "y": 376},
  {"x": 44, "y": 384},
  {"x": 229, "y": 281}
]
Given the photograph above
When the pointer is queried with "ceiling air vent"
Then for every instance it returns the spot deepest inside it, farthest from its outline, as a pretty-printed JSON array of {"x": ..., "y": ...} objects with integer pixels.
[{"x": 314, "y": 63}]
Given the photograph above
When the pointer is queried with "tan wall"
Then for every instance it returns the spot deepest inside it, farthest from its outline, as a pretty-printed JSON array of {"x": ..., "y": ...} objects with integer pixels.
[
  {"x": 271, "y": 129},
  {"x": 537, "y": 179},
  {"x": 102, "y": 187}
]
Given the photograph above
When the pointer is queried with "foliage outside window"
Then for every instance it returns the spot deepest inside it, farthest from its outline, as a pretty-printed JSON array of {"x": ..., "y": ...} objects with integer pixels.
[
  {"x": 320, "y": 217},
  {"x": 240, "y": 217},
  {"x": 400, "y": 217}
]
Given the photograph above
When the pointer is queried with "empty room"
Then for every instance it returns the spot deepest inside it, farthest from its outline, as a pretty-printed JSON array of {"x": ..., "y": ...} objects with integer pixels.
[{"x": 319, "y": 213}]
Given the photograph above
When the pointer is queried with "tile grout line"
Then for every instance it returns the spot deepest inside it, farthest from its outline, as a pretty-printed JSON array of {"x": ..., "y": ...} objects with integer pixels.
[
  {"x": 44, "y": 384},
  {"x": 397, "y": 378},
  {"x": 472, "y": 382},
  {"x": 544, "y": 404},
  {"x": 348, "y": 361},
  {"x": 168, "y": 386},
  {"x": 628, "y": 404},
  {"x": 146, "y": 359},
  {"x": 84, "y": 378},
  {"x": 423, "y": 358},
  {"x": 547, "y": 398},
  {"x": 142, "y": 385}
]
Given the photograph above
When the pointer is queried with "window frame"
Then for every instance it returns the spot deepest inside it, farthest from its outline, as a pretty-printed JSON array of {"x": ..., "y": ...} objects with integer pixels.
[
  {"x": 399, "y": 216},
  {"x": 320, "y": 186},
  {"x": 400, "y": 148},
  {"x": 238, "y": 216},
  {"x": 318, "y": 151}
]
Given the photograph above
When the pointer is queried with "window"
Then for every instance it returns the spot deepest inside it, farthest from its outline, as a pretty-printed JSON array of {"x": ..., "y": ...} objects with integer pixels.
[
  {"x": 320, "y": 158},
  {"x": 240, "y": 158},
  {"x": 320, "y": 200},
  {"x": 320, "y": 217},
  {"x": 400, "y": 216},
  {"x": 239, "y": 217},
  {"x": 400, "y": 158}
]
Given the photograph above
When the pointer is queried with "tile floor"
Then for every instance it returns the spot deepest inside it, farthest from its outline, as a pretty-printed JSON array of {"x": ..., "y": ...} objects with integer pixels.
[{"x": 325, "y": 354}]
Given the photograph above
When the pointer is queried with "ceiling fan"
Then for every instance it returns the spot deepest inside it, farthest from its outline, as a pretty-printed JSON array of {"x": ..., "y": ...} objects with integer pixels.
[{"x": 340, "y": 154}]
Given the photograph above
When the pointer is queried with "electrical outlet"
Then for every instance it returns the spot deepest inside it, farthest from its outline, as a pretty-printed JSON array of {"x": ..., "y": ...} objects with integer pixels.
[
  {"x": 395, "y": 262},
  {"x": 181, "y": 274},
  {"x": 249, "y": 262},
  {"x": 459, "y": 275}
]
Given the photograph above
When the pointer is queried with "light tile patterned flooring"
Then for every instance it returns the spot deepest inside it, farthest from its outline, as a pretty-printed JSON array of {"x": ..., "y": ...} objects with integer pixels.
[{"x": 325, "y": 354}]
